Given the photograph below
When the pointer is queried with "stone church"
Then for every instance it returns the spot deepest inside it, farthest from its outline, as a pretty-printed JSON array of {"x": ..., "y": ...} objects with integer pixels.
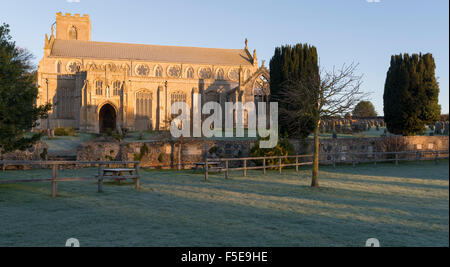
[{"x": 95, "y": 86}]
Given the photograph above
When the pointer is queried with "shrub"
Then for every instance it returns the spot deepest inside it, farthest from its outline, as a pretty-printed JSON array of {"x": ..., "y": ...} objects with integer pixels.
[{"x": 283, "y": 148}]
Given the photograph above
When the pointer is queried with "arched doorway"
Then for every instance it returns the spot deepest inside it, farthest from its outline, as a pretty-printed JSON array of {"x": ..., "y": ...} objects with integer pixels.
[{"x": 107, "y": 118}]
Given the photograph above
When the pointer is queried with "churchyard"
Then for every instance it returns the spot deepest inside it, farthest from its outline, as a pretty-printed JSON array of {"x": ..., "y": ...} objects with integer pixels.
[{"x": 404, "y": 205}]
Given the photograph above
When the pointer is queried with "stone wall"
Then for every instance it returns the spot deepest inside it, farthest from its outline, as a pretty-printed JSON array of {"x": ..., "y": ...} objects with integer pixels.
[
  {"x": 343, "y": 146},
  {"x": 165, "y": 153},
  {"x": 38, "y": 151}
]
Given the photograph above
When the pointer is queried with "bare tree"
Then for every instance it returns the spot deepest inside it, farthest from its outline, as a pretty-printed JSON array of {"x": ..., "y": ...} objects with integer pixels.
[{"x": 332, "y": 94}]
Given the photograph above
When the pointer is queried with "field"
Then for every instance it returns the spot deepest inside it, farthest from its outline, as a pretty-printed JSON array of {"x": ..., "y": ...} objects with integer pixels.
[{"x": 405, "y": 205}]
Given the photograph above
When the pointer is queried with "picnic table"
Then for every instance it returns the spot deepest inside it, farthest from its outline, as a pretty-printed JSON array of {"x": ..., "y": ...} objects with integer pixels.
[{"x": 118, "y": 172}]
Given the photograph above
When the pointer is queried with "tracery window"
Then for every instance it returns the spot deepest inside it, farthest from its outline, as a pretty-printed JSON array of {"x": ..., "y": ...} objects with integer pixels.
[
  {"x": 190, "y": 73},
  {"x": 73, "y": 67},
  {"x": 64, "y": 103},
  {"x": 99, "y": 87},
  {"x": 177, "y": 97},
  {"x": 220, "y": 74},
  {"x": 205, "y": 73},
  {"x": 174, "y": 71},
  {"x": 142, "y": 70},
  {"x": 158, "y": 71},
  {"x": 116, "y": 88},
  {"x": 144, "y": 105}
]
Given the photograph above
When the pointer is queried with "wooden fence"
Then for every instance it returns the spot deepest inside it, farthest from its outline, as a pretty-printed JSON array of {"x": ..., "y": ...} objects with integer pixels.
[
  {"x": 375, "y": 157},
  {"x": 350, "y": 158},
  {"x": 264, "y": 167},
  {"x": 55, "y": 167}
]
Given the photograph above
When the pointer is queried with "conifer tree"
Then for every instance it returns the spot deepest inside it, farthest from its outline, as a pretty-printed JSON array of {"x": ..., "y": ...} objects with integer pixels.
[
  {"x": 293, "y": 63},
  {"x": 411, "y": 94}
]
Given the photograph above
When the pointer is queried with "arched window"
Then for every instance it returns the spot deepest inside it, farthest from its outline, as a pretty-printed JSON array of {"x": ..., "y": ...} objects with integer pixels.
[
  {"x": 177, "y": 97},
  {"x": 73, "y": 33},
  {"x": 144, "y": 105},
  {"x": 190, "y": 73},
  {"x": 58, "y": 67},
  {"x": 116, "y": 88},
  {"x": 98, "y": 87},
  {"x": 261, "y": 91},
  {"x": 220, "y": 74},
  {"x": 158, "y": 71}
]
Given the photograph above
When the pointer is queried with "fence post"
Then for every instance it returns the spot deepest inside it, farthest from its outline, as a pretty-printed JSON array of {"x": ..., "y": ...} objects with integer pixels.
[
  {"x": 245, "y": 167},
  {"x": 264, "y": 165},
  {"x": 138, "y": 179},
  {"x": 353, "y": 160},
  {"x": 206, "y": 169},
  {"x": 436, "y": 160},
  {"x": 54, "y": 184},
  {"x": 296, "y": 163},
  {"x": 334, "y": 160},
  {"x": 279, "y": 161},
  {"x": 100, "y": 178},
  {"x": 226, "y": 169},
  {"x": 375, "y": 159},
  {"x": 396, "y": 158}
]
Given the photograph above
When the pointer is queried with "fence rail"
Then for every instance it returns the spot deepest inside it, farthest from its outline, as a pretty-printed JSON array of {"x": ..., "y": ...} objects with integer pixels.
[
  {"x": 264, "y": 167},
  {"x": 355, "y": 158},
  {"x": 55, "y": 179}
]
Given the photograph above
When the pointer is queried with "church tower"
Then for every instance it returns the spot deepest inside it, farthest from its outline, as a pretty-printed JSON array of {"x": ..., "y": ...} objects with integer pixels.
[{"x": 74, "y": 27}]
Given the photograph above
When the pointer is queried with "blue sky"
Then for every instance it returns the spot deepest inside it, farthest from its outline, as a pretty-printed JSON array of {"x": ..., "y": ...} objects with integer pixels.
[{"x": 343, "y": 31}]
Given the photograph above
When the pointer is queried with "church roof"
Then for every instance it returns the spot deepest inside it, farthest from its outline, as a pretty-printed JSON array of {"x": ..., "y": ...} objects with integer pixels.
[{"x": 158, "y": 53}]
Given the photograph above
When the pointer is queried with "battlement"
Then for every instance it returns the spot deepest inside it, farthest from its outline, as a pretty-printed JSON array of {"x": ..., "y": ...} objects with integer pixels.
[{"x": 69, "y": 15}]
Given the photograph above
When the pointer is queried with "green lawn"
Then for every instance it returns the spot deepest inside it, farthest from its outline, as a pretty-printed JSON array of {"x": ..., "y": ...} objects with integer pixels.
[
  {"x": 67, "y": 144},
  {"x": 405, "y": 205}
]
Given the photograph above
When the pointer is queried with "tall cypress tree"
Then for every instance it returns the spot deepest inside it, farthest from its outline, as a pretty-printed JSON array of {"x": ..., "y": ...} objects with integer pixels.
[
  {"x": 293, "y": 63},
  {"x": 411, "y": 94}
]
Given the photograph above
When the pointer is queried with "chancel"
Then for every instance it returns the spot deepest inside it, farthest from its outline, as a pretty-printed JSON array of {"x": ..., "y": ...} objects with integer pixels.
[{"x": 96, "y": 86}]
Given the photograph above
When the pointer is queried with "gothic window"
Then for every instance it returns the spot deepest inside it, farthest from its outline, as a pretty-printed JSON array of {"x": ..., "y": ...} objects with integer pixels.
[
  {"x": 233, "y": 75},
  {"x": 58, "y": 67},
  {"x": 142, "y": 70},
  {"x": 73, "y": 67},
  {"x": 158, "y": 71},
  {"x": 260, "y": 90},
  {"x": 220, "y": 74},
  {"x": 144, "y": 105},
  {"x": 174, "y": 71},
  {"x": 98, "y": 87},
  {"x": 116, "y": 88},
  {"x": 64, "y": 103},
  {"x": 73, "y": 33},
  {"x": 205, "y": 73},
  {"x": 190, "y": 73},
  {"x": 177, "y": 97}
]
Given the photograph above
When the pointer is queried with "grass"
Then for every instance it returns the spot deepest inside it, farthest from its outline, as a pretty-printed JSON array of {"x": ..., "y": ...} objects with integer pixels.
[
  {"x": 405, "y": 205},
  {"x": 67, "y": 144}
]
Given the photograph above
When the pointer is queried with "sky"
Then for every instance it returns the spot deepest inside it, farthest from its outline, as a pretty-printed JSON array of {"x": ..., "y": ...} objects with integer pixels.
[{"x": 366, "y": 32}]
